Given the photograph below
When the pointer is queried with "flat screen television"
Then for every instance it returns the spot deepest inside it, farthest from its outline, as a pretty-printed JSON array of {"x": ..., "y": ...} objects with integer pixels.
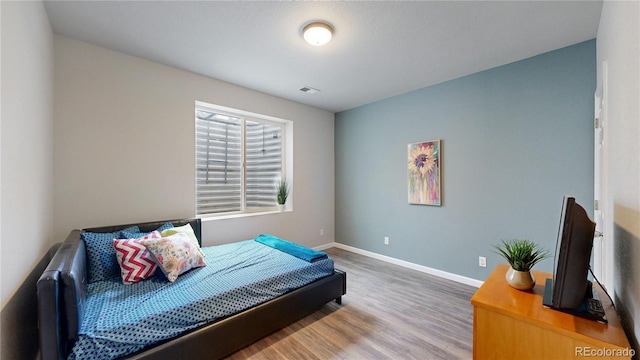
[{"x": 570, "y": 290}]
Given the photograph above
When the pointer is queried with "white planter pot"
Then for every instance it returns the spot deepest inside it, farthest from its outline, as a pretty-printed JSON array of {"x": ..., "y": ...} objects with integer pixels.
[{"x": 521, "y": 280}]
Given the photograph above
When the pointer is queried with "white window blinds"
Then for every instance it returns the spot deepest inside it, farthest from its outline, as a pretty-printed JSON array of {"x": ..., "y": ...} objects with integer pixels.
[
  {"x": 238, "y": 161},
  {"x": 263, "y": 159}
]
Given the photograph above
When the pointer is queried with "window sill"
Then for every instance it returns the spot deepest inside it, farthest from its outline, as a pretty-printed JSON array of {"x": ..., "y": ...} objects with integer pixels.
[{"x": 240, "y": 215}]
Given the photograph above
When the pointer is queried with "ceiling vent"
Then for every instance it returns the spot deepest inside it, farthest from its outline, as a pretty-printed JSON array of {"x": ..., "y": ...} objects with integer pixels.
[{"x": 309, "y": 90}]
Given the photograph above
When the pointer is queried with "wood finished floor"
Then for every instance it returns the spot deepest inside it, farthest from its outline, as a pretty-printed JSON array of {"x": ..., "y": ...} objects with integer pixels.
[{"x": 389, "y": 312}]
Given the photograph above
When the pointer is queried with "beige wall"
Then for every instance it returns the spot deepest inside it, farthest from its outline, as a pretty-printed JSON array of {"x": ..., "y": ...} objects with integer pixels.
[
  {"x": 124, "y": 147},
  {"x": 618, "y": 44},
  {"x": 26, "y": 168}
]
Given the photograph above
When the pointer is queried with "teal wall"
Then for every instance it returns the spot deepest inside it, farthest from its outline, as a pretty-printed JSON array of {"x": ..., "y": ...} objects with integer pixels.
[{"x": 515, "y": 139}]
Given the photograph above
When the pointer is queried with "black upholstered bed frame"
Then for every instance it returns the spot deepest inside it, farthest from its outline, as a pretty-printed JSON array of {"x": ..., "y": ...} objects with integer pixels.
[{"x": 62, "y": 294}]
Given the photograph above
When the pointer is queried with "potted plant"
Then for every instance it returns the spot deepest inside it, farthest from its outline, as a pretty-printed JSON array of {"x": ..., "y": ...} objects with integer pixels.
[
  {"x": 282, "y": 193},
  {"x": 522, "y": 255}
]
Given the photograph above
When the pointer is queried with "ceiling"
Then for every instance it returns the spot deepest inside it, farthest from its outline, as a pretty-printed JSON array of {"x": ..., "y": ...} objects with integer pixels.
[{"x": 379, "y": 49}]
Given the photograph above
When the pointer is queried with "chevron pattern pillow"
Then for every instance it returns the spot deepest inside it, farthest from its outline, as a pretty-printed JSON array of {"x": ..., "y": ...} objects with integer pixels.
[{"x": 136, "y": 263}]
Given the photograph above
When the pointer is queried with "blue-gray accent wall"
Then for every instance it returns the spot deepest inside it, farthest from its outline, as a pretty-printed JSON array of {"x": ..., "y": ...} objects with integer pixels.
[{"x": 515, "y": 139}]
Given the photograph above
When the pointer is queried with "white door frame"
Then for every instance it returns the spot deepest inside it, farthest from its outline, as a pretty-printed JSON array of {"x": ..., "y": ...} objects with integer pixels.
[{"x": 602, "y": 245}]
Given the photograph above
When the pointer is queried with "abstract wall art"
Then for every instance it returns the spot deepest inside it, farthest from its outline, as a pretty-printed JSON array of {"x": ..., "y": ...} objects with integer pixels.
[{"x": 423, "y": 173}]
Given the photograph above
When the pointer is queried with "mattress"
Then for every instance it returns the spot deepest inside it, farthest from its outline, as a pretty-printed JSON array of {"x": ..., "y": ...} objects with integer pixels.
[{"x": 122, "y": 319}]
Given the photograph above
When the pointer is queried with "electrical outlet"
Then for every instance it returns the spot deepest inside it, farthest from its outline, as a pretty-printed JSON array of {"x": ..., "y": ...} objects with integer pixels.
[
  {"x": 482, "y": 261},
  {"x": 386, "y": 240},
  {"x": 321, "y": 232}
]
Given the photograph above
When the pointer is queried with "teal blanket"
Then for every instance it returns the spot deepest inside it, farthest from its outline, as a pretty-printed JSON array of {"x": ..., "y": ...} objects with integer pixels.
[{"x": 299, "y": 251}]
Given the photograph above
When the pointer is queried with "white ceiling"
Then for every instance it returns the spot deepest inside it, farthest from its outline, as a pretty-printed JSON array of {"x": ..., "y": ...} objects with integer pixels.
[{"x": 379, "y": 49}]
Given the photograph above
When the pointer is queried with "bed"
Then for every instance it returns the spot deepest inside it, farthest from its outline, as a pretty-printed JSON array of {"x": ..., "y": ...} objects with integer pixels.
[{"x": 67, "y": 301}]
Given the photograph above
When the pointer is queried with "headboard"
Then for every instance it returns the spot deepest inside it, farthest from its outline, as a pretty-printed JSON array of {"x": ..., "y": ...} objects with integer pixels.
[
  {"x": 150, "y": 226},
  {"x": 62, "y": 288}
]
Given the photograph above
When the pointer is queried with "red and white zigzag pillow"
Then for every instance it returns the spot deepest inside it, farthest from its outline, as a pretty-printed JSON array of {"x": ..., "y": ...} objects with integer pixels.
[{"x": 136, "y": 263}]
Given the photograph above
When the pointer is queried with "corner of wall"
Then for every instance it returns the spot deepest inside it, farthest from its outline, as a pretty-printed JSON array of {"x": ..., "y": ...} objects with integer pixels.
[
  {"x": 26, "y": 203},
  {"x": 618, "y": 45}
]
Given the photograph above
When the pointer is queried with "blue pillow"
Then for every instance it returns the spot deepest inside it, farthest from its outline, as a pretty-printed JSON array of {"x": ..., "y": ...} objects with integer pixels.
[
  {"x": 131, "y": 229},
  {"x": 165, "y": 226},
  {"x": 134, "y": 232},
  {"x": 101, "y": 255}
]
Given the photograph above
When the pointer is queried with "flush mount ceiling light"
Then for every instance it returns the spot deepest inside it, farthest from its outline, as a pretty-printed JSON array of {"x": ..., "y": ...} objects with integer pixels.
[
  {"x": 309, "y": 90},
  {"x": 317, "y": 33}
]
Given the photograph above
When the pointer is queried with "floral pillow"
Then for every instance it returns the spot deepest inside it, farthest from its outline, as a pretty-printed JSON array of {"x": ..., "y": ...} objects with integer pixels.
[
  {"x": 174, "y": 255},
  {"x": 134, "y": 259},
  {"x": 187, "y": 229}
]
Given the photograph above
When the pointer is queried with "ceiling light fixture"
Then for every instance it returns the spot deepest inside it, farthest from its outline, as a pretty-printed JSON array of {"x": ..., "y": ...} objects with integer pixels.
[
  {"x": 309, "y": 90},
  {"x": 317, "y": 33}
]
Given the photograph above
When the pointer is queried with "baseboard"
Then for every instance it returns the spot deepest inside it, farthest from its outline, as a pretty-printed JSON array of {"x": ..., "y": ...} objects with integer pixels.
[
  {"x": 406, "y": 264},
  {"x": 326, "y": 246}
]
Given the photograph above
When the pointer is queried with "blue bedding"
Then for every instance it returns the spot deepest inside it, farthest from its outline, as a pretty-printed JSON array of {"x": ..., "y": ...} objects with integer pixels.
[{"x": 122, "y": 319}]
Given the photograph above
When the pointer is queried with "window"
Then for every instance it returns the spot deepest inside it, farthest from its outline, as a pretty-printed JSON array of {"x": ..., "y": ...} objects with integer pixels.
[{"x": 239, "y": 159}]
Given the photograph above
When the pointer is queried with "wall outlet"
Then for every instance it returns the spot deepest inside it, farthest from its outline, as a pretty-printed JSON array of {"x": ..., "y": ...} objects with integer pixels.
[
  {"x": 482, "y": 261},
  {"x": 321, "y": 232},
  {"x": 386, "y": 240}
]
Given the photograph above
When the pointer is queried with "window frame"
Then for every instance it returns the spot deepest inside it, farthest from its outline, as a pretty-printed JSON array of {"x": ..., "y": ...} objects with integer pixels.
[{"x": 245, "y": 116}]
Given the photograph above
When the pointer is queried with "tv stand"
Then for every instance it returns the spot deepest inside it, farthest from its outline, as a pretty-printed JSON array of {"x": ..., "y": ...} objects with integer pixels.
[
  {"x": 591, "y": 307},
  {"x": 513, "y": 324}
]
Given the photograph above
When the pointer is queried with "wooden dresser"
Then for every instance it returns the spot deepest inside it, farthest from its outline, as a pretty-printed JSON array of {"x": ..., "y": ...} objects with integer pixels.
[{"x": 513, "y": 324}]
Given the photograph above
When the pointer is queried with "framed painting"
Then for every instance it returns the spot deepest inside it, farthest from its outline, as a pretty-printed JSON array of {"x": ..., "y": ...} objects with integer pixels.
[{"x": 423, "y": 173}]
